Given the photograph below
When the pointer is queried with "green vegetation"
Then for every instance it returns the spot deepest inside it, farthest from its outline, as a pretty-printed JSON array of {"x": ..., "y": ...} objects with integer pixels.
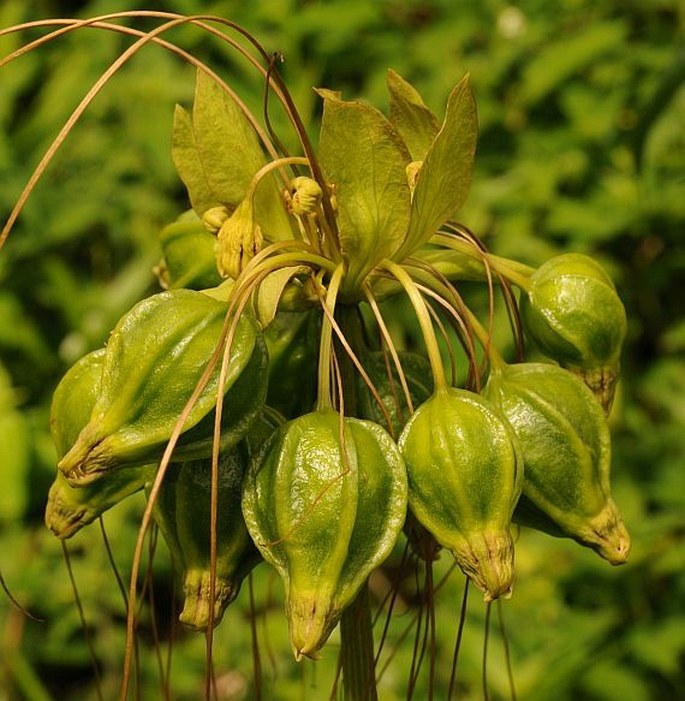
[{"x": 581, "y": 149}]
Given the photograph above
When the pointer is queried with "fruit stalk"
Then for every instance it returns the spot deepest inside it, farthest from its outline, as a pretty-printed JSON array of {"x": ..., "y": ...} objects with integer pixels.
[{"x": 358, "y": 664}]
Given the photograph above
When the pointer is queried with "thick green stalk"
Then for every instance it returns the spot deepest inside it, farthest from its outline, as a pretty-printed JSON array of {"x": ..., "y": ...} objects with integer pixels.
[
  {"x": 357, "y": 650},
  {"x": 358, "y": 666}
]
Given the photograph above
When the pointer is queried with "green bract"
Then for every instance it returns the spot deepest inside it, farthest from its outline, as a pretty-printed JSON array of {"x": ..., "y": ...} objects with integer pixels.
[
  {"x": 465, "y": 473},
  {"x": 381, "y": 211},
  {"x": 154, "y": 359},
  {"x": 324, "y": 503},
  {"x": 566, "y": 447},
  {"x": 574, "y": 315},
  {"x": 217, "y": 153}
]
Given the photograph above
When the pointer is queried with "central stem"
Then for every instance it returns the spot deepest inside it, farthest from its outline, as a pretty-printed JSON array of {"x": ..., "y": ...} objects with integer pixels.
[
  {"x": 356, "y": 633},
  {"x": 357, "y": 650}
]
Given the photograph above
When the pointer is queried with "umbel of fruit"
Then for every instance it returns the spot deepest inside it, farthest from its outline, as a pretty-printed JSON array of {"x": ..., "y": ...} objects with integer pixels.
[
  {"x": 566, "y": 447},
  {"x": 154, "y": 359},
  {"x": 324, "y": 502},
  {"x": 573, "y": 314},
  {"x": 70, "y": 508},
  {"x": 465, "y": 473}
]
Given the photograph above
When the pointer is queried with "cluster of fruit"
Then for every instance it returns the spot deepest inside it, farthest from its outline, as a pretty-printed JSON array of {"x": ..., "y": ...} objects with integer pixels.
[{"x": 261, "y": 399}]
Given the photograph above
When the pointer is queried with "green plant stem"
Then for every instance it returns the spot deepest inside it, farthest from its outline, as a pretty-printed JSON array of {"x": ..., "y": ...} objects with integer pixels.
[
  {"x": 323, "y": 400},
  {"x": 358, "y": 661},
  {"x": 496, "y": 360},
  {"x": 357, "y": 650}
]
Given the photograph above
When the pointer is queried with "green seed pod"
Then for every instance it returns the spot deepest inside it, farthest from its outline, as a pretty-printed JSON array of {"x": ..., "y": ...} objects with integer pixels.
[
  {"x": 74, "y": 398},
  {"x": 182, "y": 512},
  {"x": 189, "y": 257},
  {"x": 573, "y": 314},
  {"x": 154, "y": 359},
  {"x": 567, "y": 450},
  {"x": 324, "y": 502},
  {"x": 465, "y": 473},
  {"x": 236, "y": 554},
  {"x": 382, "y": 372},
  {"x": 69, "y": 509}
]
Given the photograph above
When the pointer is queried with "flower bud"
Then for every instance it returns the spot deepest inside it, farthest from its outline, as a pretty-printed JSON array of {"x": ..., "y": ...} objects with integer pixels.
[
  {"x": 306, "y": 196},
  {"x": 213, "y": 219},
  {"x": 324, "y": 502},
  {"x": 413, "y": 171},
  {"x": 238, "y": 240},
  {"x": 464, "y": 468},
  {"x": 566, "y": 447},
  {"x": 573, "y": 314}
]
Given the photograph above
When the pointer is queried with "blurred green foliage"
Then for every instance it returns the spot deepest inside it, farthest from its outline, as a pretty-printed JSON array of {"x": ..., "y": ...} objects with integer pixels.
[{"x": 582, "y": 147}]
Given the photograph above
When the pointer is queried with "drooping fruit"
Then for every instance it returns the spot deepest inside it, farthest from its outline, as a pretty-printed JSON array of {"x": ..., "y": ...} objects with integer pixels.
[
  {"x": 567, "y": 451},
  {"x": 465, "y": 473},
  {"x": 324, "y": 502},
  {"x": 154, "y": 359},
  {"x": 574, "y": 315}
]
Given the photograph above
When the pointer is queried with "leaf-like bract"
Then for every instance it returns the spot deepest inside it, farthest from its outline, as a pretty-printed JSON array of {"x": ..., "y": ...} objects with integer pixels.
[
  {"x": 445, "y": 177},
  {"x": 362, "y": 154}
]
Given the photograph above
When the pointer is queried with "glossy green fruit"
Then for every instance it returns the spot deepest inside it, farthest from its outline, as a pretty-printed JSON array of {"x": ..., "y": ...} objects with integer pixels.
[
  {"x": 182, "y": 512},
  {"x": 189, "y": 258},
  {"x": 465, "y": 472},
  {"x": 573, "y": 314},
  {"x": 324, "y": 503},
  {"x": 68, "y": 508},
  {"x": 74, "y": 398},
  {"x": 567, "y": 450},
  {"x": 154, "y": 359}
]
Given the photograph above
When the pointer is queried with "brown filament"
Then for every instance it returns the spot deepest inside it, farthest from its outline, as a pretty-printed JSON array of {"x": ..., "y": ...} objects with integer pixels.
[
  {"x": 15, "y": 602},
  {"x": 460, "y": 633},
  {"x": 84, "y": 623}
]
